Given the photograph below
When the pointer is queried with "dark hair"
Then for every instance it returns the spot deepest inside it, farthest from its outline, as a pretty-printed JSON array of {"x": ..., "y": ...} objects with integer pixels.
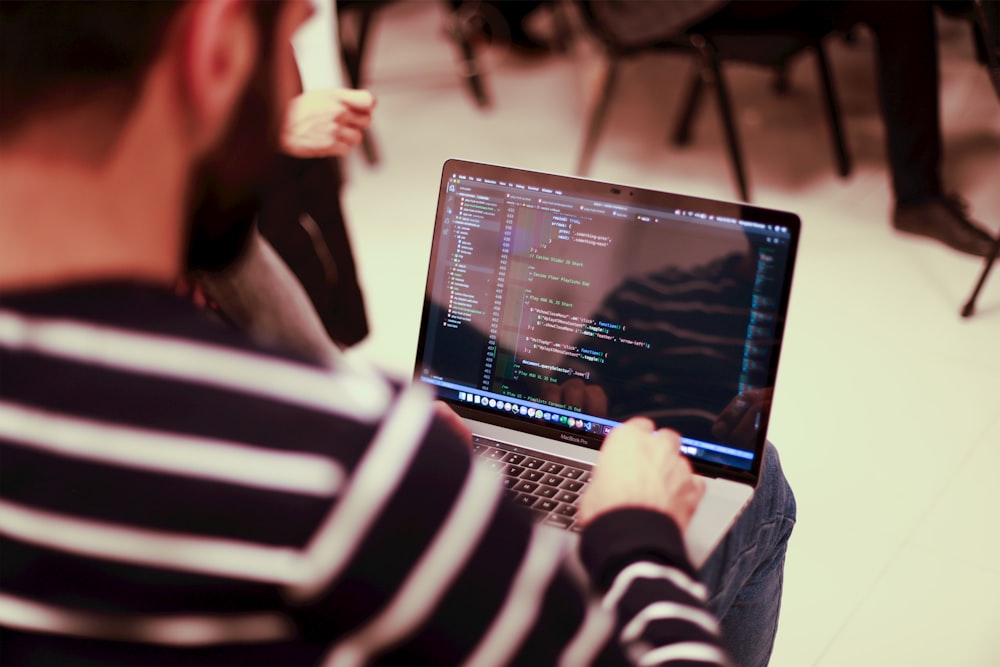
[{"x": 57, "y": 53}]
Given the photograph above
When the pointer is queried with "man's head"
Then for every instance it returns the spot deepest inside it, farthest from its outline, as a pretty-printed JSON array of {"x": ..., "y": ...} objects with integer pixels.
[
  {"x": 78, "y": 78},
  {"x": 65, "y": 56}
]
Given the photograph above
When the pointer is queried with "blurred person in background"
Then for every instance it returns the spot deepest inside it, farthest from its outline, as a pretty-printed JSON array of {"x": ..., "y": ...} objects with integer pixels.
[{"x": 296, "y": 285}]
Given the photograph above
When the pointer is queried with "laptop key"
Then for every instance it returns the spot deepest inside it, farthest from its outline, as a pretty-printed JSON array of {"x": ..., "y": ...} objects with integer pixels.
[
  {"x": 525, "y": 500},
  {"x": 526, "y": 487},
  {"x": 513, "y": 458},
  {"x": 553, "y": 468},
  {"x": 559, "y": 520},
  {"x": 509, "y": 482},
  {"x": 553, "y": 480},
  {"x": 546, "y": 504},
  {"x": 566, "y": 497},
  {"x": 572, "y": 473},
  {"x": 586, "y": 478},
  {"x": 496, "y": 454},
  {"x": 566, "y": 510},
  {"x": 571, "y": 485},
  {"x": 546, "y": 491},
  {"x": 531, "y": 475},
  {"x": 533, "y": 463},
  {"x": 515, "y": 471}
]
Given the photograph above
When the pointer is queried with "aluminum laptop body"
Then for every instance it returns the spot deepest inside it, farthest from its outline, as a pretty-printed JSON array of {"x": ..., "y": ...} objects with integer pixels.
[{"x": 558, "y": 307}]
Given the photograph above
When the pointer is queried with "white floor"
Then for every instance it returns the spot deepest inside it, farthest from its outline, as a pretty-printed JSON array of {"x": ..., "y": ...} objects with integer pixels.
[{"x": 888, "y": 404}]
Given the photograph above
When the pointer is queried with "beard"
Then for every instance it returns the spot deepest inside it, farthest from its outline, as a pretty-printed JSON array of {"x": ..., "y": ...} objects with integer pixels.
[{"x": 226, "y": 185}]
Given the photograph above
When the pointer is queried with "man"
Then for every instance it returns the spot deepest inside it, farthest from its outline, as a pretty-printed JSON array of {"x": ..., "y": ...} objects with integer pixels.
[{"x": 169, "y": 493}]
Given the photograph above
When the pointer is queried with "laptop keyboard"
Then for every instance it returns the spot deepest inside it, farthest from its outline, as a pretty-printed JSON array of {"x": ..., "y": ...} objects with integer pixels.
[{"x": 547, "y": 487}]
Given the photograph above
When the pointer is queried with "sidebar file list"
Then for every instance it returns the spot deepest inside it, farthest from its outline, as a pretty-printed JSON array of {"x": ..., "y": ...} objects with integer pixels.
[{"x": 476, "y": 263}]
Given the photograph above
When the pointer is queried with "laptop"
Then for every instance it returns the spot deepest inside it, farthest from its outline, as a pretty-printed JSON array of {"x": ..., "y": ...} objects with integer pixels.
[{"x": 558, "y": 307}]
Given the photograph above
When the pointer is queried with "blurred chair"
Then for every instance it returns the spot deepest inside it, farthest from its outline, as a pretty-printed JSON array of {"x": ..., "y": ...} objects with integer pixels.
[
  {"x": 772, "y": 44},
  {"x": 987, "y": 21},
  {"x": 355, "y": 19}
]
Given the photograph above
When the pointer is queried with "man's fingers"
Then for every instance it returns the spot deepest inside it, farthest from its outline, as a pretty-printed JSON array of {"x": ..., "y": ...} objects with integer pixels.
[
  {"x": 699, "y": 487},
  {"x": 359, "y": 100},
  {"x": 355, "y": 119},
  {"x": 641, "y": 466},
  {"x": 668, "y": 439},
  {"x": 347, "y": 135}
]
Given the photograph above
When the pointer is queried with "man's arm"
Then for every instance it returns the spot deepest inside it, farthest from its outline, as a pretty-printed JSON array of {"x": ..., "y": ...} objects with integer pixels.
[
  {"x": 447, "y": 572},
  {"x": 639, "y": 503}
]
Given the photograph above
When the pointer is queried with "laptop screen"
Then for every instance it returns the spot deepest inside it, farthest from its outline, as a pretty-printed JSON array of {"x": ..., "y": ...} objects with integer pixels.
[{"x": 563, "y": 306}]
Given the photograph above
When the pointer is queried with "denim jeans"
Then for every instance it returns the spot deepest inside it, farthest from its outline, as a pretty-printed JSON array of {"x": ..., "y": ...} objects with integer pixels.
[{"x": 744, "y": 574}]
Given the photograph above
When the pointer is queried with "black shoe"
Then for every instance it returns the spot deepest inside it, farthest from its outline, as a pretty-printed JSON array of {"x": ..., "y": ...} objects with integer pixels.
[{"x": 944, "y": 219}]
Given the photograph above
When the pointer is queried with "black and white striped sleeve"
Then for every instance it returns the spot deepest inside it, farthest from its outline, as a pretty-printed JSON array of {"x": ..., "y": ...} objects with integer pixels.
[
  {"x": 445, "y": 571},
  {"x": 441, "y": 570},
  {"x": 172, "y": 500},
  {"x": 637, "y": 560}
]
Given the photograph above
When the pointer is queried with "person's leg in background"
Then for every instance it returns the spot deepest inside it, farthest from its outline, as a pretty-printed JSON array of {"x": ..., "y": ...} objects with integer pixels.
[
  {"x": 260, "y": 295},
  {"x": 909, "y": 91},
  {"x": 302, "y": 217},
  {"x": 745, "y": 573}
]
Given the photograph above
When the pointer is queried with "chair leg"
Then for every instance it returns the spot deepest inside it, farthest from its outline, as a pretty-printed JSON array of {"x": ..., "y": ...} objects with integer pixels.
[
  {"x": 596, "y": 121},
  {"x": 970, "y": 306},
  {"x": 465, "y": 23},
  {"x": 725, "y": 111},
  {"x": 472, "y": 74},
  {"x": 682, "y": 131},
  {"x": 833, "y": 111}
]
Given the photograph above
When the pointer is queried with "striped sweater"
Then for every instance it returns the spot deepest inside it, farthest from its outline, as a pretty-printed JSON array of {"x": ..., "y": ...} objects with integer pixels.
[{"x": 170, "y": 494}]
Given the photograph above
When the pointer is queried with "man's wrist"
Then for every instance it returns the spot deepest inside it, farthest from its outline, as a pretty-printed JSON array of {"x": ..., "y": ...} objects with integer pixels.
[{"x": 616, "y": 539}]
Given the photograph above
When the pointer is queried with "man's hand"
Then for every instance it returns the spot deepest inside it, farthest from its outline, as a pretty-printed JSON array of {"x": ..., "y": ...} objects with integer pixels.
[
  {"x": 642, "y": 467},
  {"x": 324, "y": 123}
]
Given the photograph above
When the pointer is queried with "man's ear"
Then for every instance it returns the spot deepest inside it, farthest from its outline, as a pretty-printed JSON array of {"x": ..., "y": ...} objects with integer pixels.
[{"x": 219, "y": 49}]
